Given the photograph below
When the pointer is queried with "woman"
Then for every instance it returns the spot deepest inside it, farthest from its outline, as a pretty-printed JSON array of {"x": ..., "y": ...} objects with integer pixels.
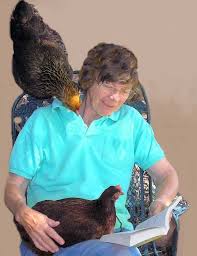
[{"x": 62, "y": 154}]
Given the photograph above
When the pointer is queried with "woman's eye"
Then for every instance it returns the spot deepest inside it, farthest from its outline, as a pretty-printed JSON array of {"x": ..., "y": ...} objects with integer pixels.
[
  {"x": 126, "y": 91},
  {"x": 109, "y": 86}
]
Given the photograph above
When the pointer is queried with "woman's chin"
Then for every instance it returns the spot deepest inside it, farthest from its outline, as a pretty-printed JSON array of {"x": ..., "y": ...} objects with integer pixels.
[{"x": 107, "y": 112}]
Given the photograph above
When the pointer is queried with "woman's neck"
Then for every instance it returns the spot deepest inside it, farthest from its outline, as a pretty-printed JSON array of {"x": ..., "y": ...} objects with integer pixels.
[{"x": 87, "y": 112}]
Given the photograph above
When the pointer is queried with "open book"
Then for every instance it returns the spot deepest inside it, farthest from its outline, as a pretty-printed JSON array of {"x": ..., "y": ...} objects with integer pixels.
[{"x": 147, "y": 231}]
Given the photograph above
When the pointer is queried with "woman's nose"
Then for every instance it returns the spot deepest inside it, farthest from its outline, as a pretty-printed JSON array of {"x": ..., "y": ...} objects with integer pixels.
[{"x": 115, "y": 96}]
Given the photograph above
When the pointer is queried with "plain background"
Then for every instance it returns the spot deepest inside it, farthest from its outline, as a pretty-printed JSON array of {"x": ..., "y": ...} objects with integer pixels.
[{"x": 162, "y": 34}]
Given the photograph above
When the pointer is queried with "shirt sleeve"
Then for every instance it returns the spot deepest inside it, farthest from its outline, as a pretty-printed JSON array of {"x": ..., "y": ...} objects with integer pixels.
[
  {"x": 26, "y": 155},
  {"x": 147, "y": 150}
]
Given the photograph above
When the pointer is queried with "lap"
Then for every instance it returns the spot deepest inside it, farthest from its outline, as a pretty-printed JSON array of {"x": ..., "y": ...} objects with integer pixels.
[{"x": 89, "y": 248}]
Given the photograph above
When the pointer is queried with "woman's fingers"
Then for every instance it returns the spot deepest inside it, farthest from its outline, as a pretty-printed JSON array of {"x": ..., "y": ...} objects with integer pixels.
[
  {"x": 39, "y": 244},
  {"x": 52, "y": 223},
  {"x": 44, "y": 243},
  {"x": 43, "y": 238},
  {"x": 52, "y": 233}
]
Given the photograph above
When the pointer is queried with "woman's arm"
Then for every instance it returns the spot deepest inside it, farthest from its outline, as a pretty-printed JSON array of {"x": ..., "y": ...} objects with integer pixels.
[
  {"x": 15, "y": 190},
  {"x": 166, "y": 181},
  {"x": 38, "y": 226}
]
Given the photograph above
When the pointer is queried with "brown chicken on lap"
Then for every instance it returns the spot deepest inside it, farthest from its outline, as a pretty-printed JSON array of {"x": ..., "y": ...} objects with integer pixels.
[{"x": 80, "y": 219}]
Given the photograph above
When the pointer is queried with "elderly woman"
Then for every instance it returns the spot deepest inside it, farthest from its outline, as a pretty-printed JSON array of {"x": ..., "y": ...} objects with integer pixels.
[{"x": 80, "y": 155}]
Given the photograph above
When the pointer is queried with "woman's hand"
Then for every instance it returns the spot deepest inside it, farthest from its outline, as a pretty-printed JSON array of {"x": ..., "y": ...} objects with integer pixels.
[
  {"x": 157, "y": 206},
  {"x": 166, "y": 181},
  {"x": 40, "y": 228}
]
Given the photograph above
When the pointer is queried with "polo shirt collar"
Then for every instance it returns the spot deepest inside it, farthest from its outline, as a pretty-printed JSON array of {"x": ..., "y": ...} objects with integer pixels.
[
  {"x": 58, "y": 104},
  {"x": 114, "y": 116}
]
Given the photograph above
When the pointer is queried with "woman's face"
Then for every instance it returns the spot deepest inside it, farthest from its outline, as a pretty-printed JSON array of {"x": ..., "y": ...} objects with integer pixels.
[{"x": 106, "y": 98}]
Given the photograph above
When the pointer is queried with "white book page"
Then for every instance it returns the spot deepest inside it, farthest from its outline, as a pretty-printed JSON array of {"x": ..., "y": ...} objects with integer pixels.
[{"x": 160, "y": 220}]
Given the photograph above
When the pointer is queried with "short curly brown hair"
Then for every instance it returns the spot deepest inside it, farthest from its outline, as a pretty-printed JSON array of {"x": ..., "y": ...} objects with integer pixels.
[{"x": 107, "y": 62}]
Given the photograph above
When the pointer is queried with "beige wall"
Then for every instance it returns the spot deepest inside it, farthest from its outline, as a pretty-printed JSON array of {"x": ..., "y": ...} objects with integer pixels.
[{"x": 162, "y": 34}]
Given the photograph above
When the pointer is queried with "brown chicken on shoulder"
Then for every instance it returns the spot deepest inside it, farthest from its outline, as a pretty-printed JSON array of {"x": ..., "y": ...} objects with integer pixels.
[
  {"x": 40, "y": 61},
  {"x": 80, "y": 219}
]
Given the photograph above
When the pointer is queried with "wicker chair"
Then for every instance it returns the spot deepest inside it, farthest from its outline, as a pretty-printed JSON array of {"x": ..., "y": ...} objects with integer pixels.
[{"x": 141, "y": 190}]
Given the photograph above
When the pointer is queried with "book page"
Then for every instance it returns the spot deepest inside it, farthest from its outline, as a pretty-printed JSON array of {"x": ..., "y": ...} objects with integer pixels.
[{"x": 160, "y": 220}]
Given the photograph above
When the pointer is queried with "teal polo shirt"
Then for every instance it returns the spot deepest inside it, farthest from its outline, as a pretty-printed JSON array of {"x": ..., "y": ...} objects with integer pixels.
[{"x": 63, "y": 157}]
